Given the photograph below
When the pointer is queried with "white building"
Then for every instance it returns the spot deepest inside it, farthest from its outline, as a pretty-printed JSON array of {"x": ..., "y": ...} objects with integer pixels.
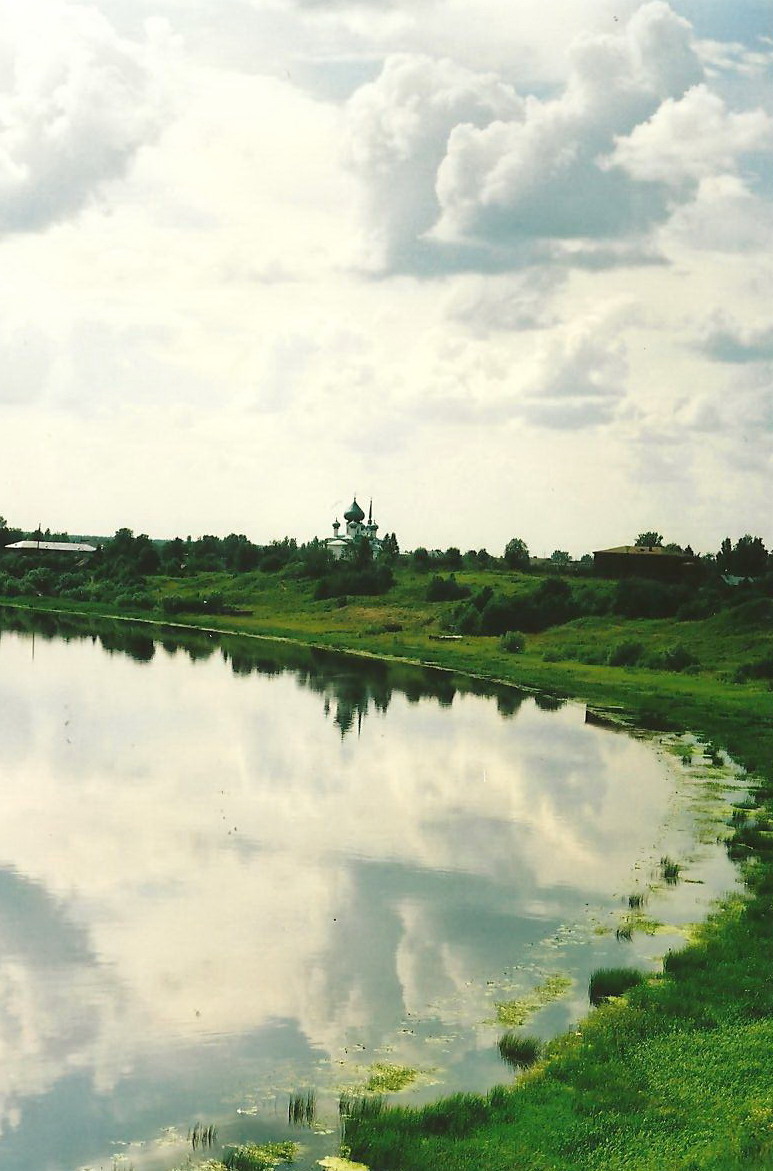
[{"x": 356, "y": 526}]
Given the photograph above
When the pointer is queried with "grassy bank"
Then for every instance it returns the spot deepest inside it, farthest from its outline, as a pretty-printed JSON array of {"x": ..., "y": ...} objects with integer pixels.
[{"x": 676, "y": 1074}]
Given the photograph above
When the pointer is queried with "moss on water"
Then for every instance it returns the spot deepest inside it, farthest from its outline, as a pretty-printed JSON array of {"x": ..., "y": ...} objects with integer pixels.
[
  {"x": 386, "y": 1078},
  {"x": 514, "y": 1013}
]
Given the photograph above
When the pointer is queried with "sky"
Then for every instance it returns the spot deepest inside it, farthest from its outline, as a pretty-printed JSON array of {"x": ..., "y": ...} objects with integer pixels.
[{"x": 503, "y": 268}]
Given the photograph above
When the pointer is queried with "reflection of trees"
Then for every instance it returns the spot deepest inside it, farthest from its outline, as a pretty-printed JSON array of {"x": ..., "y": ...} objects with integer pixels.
[{"x": 350, "y": 687}]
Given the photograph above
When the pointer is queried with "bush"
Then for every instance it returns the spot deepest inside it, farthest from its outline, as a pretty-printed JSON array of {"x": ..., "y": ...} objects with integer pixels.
[
  {"x": 675, "y": 658},
  {"x": 637, "y": 597},
  {"x": 375, "y": 579},
  {"x": 626, "y": 653},
  {"x": 758, "y": 669},
  {"x": 513, "y": 642},
  {"x": 446, "y": 589},
  {"x": 607, "y": 982}
]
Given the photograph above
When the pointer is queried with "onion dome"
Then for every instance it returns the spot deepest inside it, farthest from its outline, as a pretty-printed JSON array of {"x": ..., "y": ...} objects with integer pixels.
[{"x": 355, "y": 513}]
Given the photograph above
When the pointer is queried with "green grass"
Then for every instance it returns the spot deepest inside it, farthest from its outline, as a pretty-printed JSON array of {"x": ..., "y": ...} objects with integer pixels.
[{"x": 677, "y": 1074}]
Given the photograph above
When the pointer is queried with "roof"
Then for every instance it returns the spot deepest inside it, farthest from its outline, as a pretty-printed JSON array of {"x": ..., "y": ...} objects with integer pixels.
[
  {"x": 54, "y": 546},
  {"x": 355, "y": 512},
  {"x": 643, "y": 551}
]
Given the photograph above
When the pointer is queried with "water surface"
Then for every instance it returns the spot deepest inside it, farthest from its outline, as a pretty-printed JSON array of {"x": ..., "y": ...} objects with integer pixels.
[{"x": 228, "y": 873}]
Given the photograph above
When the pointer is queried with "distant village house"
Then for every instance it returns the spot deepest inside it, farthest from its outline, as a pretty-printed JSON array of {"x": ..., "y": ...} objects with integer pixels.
[
  {"x": 50, "y": 547},
  {"x": 644, "y": 561}
]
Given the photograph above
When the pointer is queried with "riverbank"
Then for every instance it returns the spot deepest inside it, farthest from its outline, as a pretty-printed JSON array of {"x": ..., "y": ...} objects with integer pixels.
[{"x": 676, "y": 1076}]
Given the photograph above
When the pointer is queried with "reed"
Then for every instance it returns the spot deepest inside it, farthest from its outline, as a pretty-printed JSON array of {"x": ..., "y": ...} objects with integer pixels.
[
  {"x": 202, "y": 1136},
  {"x": 302, "y": 1108},
  {"x": 669, "y": 870}
]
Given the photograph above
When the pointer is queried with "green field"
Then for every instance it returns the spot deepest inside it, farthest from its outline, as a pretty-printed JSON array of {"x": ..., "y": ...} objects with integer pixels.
[{"x": 677, "y": 1073}]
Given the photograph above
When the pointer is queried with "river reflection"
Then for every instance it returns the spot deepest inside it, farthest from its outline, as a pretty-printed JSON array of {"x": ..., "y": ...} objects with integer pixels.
[{"x": 226, "y": 874}]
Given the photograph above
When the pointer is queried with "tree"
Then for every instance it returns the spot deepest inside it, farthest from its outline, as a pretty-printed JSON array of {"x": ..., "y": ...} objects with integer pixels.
[
  {"x": 747, "y": 558},
  {"x": 560, "y": 557},
  {"x": 517, "y": 554},
  {"x": 649, "y": 541},
  {"x": 390, "y": 549},
  {"x": 420, "y": 559}
]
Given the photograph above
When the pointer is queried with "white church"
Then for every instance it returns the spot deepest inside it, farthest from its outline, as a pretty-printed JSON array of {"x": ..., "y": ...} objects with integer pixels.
[{"x": 356, "y": 526}]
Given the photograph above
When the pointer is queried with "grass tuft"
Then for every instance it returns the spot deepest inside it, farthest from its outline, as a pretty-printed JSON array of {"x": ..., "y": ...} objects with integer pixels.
[
  {"x": 519, "y": 1051},
  {"x": 607, "y": 982}
]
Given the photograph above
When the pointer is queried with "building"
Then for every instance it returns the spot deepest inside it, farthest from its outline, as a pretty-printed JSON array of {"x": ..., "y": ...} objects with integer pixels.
[
  {"x": 356, "y": 527},
  {"x": 644, "y": 561},
  {"x": 51, "y": 547}
]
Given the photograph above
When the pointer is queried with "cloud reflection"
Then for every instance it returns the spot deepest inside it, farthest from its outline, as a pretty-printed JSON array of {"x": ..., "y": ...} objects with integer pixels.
[{"x": 205, "y": 859}]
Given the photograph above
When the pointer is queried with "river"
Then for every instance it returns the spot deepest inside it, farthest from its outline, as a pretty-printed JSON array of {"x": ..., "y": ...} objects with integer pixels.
[{"x": 232, "y": 872}]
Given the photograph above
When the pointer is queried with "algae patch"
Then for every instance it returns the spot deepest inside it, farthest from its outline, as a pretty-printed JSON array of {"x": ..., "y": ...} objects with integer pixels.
[
  {"x": 336, "y": 1163},
  {"x": 514, "y": 1013},
  {"x": 386, "y": 1078}
]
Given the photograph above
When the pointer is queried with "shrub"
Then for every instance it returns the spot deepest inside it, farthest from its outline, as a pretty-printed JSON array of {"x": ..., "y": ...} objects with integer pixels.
[
  {"x": 757, "y": 669},
  {"x": 446, "y": 589},
  {"x": 374, "y": 579},
  {"x": 636, "y": 597},
  {"x": 513, "y": 642},
  {"x": 626, "y": 653},
  {"x": 675, "y": 658},
  {"x": 607, "y": 982}
]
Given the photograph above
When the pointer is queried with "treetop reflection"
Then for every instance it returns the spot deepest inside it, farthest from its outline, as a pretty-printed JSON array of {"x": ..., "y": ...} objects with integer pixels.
[{"x": 351, "y": 687}]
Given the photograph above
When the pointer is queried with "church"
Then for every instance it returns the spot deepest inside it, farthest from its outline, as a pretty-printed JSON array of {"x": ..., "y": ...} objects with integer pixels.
[{"x": 356, "y": 526}]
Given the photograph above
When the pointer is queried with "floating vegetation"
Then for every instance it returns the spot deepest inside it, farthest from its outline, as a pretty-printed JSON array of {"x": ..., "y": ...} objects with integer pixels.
[
  {"x": 669, "y": 870},
  {"x": 518, "y": 1051},
  {"x": 634, "y": 922},
  {"x": 250, "y": 1157},
  {"x": 607, "y": 982},
  {"x": 636, "y": 901},
  {"x": 514, "y": 1013},
  {"x": 338, "y": 1163},
  {"x": 302, "y": 1109},
  {"x": 386, "y": 1078},
  {"x": 202, "y": 1136}
]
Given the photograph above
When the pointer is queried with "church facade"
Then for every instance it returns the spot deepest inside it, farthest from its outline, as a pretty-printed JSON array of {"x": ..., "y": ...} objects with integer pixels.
[{"x": 356, "y": 527}]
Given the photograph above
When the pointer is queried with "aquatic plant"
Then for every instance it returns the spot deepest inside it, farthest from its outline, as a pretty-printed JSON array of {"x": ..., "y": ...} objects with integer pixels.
[
  {"x": 606, "y": 982},
  {"x": 519, "y": 1051},
  {"x": 251, "y": 1157},
  {"x": 202, "y": 1136},
  {"x": 360, "y": 1106},
  {"x": 302, "y": 1109},
  {"x": 669, "y": 870},
  {"x": 514, "y": 1013},
  {"x": 386, "y": 1078}
]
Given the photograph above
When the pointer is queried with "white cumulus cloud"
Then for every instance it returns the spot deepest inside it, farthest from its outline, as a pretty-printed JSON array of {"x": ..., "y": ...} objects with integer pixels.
[
  {"x": 76, "y": 104},
  {"x": 691, "y": 139}
]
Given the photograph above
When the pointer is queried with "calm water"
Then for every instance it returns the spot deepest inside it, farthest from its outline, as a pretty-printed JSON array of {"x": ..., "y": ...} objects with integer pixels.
[{"x": 228, "y": 875}]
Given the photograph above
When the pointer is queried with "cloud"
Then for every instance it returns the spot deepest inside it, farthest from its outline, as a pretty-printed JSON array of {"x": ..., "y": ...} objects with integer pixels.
[
  {"x": 78, "y": 103},
  {"x": 691, "y": 139},
  {"x": 506, "y": 302},
  {"x": 727, "y": 340},
  {"x": 724, "y": 215},
  {"x": 398, "y": 129},
  {"x": 581, "y": 379},
  {"x": 456, "y": 164}
]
